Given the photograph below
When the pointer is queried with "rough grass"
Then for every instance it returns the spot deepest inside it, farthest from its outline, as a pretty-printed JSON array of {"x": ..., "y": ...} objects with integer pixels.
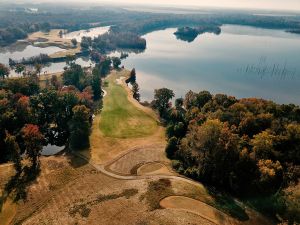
[
  {"x": 84, "y": 210},
  {"x": 120, "y": 118},
  {"x": 157, "y": 190},
  {"x": 8, "y": 211},
  {"x": 7, "y": 206}
]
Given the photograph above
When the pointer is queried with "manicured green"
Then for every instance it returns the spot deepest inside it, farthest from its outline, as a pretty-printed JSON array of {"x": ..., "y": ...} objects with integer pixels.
[{"x": 120, "y": 118}]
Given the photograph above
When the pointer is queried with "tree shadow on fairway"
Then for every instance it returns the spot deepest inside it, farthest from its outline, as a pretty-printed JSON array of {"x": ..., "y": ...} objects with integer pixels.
[
  {"x": 228, "y": 204},
  {"x": 16, "y": 187},
  {"x": 76, "y": 161}
]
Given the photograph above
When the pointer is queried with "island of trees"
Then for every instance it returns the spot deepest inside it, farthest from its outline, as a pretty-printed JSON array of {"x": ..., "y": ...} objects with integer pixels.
[
  {"x": 189, "y": 34},
  {"x": 115, "y": 39},
  {"x": 249, "y": 147}
]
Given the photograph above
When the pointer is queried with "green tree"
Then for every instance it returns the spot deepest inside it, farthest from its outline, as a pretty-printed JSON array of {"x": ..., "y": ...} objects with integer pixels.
[
  {"x": 70, "y": 59},
  {"x": 20, "y": 68},
  {"x": 171, "y": 147},
  {"x": 4, "y": 71},
  {"x": 162, "y": 99},
  {"x": 79, "y": 128},
  {"x": 136, "y": 91},
  {"x": 104, "y": 66},
  {"x": 132, "y": 77},
  {"x": 96, "y": 83},
  {"x": 202, "y": 98},
  {"x": 12, "y": 146},
  {"x": 55, "y": 82},
  {"x": 74, "y": 42},
  {"x": 86, "y": 43},
  {"x": 116, "y": 61},
  {"x": 73, "y": 75},
  {"x": 38, "y": 68}
]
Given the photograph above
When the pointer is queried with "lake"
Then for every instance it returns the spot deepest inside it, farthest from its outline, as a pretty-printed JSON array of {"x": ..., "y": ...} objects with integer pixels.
[{"x": 242, "y": 61}]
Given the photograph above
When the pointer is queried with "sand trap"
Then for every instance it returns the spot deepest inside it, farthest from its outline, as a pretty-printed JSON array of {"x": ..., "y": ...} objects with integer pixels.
[
  {"x": 119, "y": 81},
  {"x": 153, "y": 168},
  {"x": 104, "y": 93},
  {"x": 197, "y": 207}
]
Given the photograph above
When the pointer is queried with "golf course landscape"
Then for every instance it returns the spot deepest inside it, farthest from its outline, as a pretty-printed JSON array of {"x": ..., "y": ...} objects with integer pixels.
[{"x": 124, "y": 175}]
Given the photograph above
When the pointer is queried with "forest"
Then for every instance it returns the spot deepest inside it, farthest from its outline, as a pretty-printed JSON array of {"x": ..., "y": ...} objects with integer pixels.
[
  {"x": 249, "y": 147},
  {"x": 32, "y": 116},
  {"x": 16, "y": 22}
]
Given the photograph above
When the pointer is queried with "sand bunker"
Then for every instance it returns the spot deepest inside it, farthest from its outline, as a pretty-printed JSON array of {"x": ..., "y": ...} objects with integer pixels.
[
  {"x": 197, "y": 207},
  {"x": 153, "y": 168}
]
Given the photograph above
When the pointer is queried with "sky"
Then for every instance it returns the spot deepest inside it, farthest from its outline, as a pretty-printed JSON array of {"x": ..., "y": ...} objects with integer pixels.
[
  {"x": 283, "y": 5},
  {"x": 247, "y": 4}
]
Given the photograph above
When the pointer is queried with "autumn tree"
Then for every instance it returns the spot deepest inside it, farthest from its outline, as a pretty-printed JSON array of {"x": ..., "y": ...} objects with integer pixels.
[
  {"x": 263, "y": 145},
  {"x": 33, "y": 144},
  {"x": 270, "y": 175},
  {"x": 214, "y": 148}
]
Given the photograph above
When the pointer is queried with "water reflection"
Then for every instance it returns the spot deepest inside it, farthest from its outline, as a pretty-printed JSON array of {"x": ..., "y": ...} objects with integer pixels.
[
  {"x": 51, "y": 149},
  {"x": 211, "y": 62},
  {"x": 93, "y": 32}
]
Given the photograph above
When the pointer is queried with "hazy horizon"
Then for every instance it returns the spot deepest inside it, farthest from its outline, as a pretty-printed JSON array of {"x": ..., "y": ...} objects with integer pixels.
[{"x": 279, "y": 5}]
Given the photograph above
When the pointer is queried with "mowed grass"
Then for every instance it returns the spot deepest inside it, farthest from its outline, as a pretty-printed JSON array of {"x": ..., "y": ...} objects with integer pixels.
[{"x": 120, "y": 118}]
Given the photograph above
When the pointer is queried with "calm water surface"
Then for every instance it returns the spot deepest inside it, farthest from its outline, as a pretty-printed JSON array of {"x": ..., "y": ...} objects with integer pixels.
[{"x": 241, "y": 61}]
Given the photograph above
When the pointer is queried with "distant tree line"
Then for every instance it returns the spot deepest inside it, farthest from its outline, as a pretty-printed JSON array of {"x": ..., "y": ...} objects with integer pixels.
[
  {"x": 249, "y": 147},
  {"x": 39, "y": 59},
  {"x": 15, "y": 25}
]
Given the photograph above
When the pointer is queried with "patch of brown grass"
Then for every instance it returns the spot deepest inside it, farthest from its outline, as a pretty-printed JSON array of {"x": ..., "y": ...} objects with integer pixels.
[
  {"x": 84, "y": 210},
  {"x": 156, "y": 191}
]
